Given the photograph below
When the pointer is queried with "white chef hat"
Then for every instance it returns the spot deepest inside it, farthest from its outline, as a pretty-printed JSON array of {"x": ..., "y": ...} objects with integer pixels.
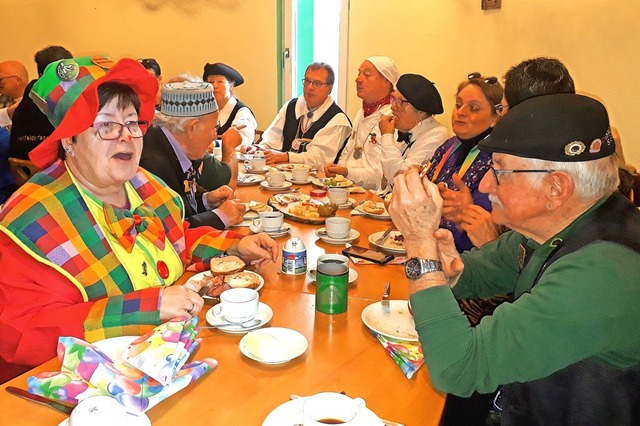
[{"x": 386, "y": 67}]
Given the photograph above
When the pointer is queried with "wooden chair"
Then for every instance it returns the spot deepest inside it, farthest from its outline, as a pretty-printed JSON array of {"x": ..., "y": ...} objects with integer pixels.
[
  {"x": 22, "y": 170},
  {"x": 258, "y": 138}
]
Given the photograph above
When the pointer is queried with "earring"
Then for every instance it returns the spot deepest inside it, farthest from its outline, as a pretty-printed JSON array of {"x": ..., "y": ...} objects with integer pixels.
[{"x": 68, "y": 150}]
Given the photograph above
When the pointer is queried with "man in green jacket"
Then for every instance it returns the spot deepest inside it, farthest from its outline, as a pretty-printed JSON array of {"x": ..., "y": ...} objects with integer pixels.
[{"x": 567, "y": 349}]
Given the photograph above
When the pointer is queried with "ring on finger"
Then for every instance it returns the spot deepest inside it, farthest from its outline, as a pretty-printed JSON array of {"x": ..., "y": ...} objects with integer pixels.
[{"x": 193, "y": 305}]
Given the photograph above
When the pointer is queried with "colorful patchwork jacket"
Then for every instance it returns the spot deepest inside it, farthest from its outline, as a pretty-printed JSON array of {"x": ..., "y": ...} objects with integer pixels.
[{"x": 59, "y": 276}]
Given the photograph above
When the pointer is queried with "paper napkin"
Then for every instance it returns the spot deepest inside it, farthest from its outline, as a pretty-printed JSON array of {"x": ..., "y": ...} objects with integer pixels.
[{"x": 408, "y": 355}]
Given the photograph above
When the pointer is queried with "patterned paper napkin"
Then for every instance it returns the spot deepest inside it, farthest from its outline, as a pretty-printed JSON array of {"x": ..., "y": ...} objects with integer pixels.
[
  {"x": 408, "y": 355},
  {"x": 86, "y": 371}
]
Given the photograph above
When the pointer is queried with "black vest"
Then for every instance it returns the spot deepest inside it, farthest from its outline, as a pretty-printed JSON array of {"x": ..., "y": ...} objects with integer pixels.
[
  {"x": 291, "y": 126},
  {"x": 587, "y": 392},
  {"x": 224, "y": 127}
]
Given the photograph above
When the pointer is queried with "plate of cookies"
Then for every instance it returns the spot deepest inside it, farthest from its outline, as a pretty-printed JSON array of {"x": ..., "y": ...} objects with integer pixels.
[
  {"x": 375, "y": 210},
  {"x": 225, "y": 273}
]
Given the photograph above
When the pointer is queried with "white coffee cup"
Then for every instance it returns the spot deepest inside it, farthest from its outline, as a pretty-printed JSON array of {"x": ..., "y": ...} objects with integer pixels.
[
  {"x": 237, "y": 305},
  {"x": 275, "y": 179},
  {"x": 338, "y": 195},
  {"x": 256, "y": 164},
  {"x": 330, "y": 408},
  {"x": 269, "y": 221},
  {"x": 337, "y": 227},
  {"x": 300, "y": 174}
]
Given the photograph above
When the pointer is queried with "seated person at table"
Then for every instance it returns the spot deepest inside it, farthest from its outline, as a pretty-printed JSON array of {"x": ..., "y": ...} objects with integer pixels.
[
  {"x": 153, "y": 67},
  {"x": 567, "y": 349},
  {"x": 7, "y": 183},
  {"x": 414, "y": 102},
  {"x": 360, "y": 158},
  {"x": 174, "y": 150},
  {"x": 458, "y": 163},
  {"x": 310, "y": 129},
  {"x": 30, "y": 126},
  {"x": 92, "y": 244},
  {"x": 13, "y": 81},
  {"x": 232, "y": 112}
]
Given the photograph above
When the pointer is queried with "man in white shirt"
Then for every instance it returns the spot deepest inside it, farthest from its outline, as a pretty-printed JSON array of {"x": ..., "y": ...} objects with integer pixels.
[
  {"x": 310, "y": 129},
  {"x": 360, "y": 159},
  {"x": 13, "y": 80}
]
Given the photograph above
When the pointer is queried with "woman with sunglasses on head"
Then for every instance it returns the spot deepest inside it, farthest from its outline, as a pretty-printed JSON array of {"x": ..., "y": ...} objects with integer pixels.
[
  {"x": 91, "y": 245},
  {"x": 458, "y": 165}
]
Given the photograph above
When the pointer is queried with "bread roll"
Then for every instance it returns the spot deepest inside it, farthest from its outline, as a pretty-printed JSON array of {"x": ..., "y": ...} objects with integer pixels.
[
  {"x": 242, "y": 280},
  {"x": 372, "y": 207},
  {"x": 226, "y": 265}
]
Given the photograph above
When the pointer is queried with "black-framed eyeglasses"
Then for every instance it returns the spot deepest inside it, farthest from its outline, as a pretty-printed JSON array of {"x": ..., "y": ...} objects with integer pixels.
[
  {"x": 8, "y": 76},
  {"x": 499, "y": 172},
  {"x": 398, "y": 103},
  {"x": 315, "y": 83},
  {"x": 477, "y": 75},
  {"x": 501, "y": 109},
  {"x": 111, "y": 130}
]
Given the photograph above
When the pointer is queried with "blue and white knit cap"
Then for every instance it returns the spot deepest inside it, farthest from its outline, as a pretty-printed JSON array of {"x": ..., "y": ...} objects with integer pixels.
[{"x": 187, "y": 99}]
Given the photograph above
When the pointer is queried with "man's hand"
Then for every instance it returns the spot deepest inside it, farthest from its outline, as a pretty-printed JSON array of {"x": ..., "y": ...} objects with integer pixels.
[
  {"x": 218, "y": 196},
  {"x": 455, "y": 201},
  {"x": 234, "y": 211},
  {"x": 332, "y": 170},
  {"x": 387, "y": 124},
  {"x": 451, "y": 262},
  {"x": 272, "y": 156},
  {"x": 256, "y": 249},
  {"x": 477, "y": 223}
]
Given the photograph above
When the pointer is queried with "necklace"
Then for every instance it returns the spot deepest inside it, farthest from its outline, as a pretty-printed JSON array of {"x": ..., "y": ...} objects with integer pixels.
[{"x": 301, "y": 131}]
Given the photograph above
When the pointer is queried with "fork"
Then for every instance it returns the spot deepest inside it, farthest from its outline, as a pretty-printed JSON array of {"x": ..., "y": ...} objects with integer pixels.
[
  {"x": 380, "y": 241},
  {"x": 385, "y": 298}
]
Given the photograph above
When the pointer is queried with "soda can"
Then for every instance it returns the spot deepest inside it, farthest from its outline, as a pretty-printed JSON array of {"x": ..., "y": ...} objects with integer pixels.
[{"x": 294, "y": 257}]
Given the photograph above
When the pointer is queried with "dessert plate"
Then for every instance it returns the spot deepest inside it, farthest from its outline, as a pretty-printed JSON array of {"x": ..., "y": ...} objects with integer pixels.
[
  {"x": 273, "y": 345},
  {"x": 265, "y": 313},
  {"x": 397, "y": 323}
]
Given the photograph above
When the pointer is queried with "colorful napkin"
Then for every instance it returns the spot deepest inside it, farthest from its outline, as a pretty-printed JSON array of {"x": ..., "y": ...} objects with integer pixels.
[
  {"x": 87, "y": 371},
  {"x": 408, "y": 355}
]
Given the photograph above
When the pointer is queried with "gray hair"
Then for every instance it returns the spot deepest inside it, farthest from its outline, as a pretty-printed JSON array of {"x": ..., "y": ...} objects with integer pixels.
[{"x": 593, "y": 179}]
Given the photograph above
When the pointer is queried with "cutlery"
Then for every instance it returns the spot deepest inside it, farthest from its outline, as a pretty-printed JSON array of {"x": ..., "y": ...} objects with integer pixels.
[
  {"x": 385, "y": 298},
  {"x": 246, "y": 324},
  {"x": 380, "y": 241},
  {"x": 52, "y": 403}
]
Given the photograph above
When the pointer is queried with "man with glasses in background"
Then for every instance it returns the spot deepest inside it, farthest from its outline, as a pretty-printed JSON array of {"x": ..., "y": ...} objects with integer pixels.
[
  {"x": 13, "y": 80},
  {"x": 566, "y": 350},
  {"x": 310, "y": 129}
]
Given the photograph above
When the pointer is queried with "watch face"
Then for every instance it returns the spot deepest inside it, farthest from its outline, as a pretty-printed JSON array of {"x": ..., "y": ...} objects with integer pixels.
[{"x": 412, "y": 268}]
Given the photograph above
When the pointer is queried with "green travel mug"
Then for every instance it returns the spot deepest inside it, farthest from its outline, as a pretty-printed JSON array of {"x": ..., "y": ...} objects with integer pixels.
[{"x": 332, "y": 281}]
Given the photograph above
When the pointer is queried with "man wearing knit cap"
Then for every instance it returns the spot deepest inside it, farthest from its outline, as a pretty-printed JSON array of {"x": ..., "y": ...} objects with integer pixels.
[
  {"x": 567, "y": 349},
  {"x": 414, "y": 102},
  {"x": 174, "y": 151},
  {"x": 232, "y": 111},
  {"x": 360, "y": 158}
]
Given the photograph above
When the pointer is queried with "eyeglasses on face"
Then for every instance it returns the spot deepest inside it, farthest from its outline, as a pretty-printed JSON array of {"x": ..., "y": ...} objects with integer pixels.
[
  {"x": 477, "y": 75},
  {"x": 398, "y": 103},
  {"x": 111, "y": 130},
  {"x": 501, "y": 109},
  {"x": 8, "y": 76},
  {"x": 315, "y": 83},
  {"x": 500, "y": 172}
]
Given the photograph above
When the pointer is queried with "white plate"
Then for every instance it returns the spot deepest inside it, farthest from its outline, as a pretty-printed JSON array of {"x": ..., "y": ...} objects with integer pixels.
[
  {"x": 264, "y": 170},
  {"x": 298, "y": 182},
  {"x": 250, "y": 214},
  {"x": 287, "y": 167},
  {"x": 388, "y": 246},
  {"x": 290, "y": 413},
  {"x": 320, "y": 183},
  {"x": 397, "y": 324},
  {"x": 382, "y": 216},
  {"x": 198, "y": 277},
  {"x": 140, "y": 419},
  {"x": 290, "y": 344},
  {"x": 353, "y": 275},
  {"x": 249, "y": 179},
  {"x": 265, "y": 313},
  {"x": 283, "y": 231},
  {"x": 353, "y": 235},
  {"x": 349, "y": 204},
  {"x": 286, "y": 185}
]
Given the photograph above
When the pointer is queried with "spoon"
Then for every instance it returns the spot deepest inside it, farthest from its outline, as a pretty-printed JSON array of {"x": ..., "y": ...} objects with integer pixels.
[{"x": 247, "y": 324}]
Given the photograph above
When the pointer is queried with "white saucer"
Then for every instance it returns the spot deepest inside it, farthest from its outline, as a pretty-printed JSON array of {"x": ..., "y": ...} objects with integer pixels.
[
  {"x": 353, "y": 275},
  {"x": 248, "y": 179},
  {"x": 276, "y": 345},
  {"x": 290, "y": 413},
  {"x": 286, "y": 185},
  {"x": 283, "y": 231},
  {"x": 299, "y": 182},
  {"x": 353, "y": 235},
  {"x": 398, "y": 323},
  {"x": 349, "y": 204},
  {"x": 265, "y": 313},
  {"x": 140, "y": 419},
  {"x": 264, "y": 170}
]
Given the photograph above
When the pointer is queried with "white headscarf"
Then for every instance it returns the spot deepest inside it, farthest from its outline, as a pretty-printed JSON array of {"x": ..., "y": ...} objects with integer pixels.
[{"x": 386, "y": 67}]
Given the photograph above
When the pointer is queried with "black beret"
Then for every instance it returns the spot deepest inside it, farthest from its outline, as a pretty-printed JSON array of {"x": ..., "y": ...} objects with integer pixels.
[
  {"x": 221, "y": 69},
  {"x": 560, "y": 127},
  {"x": 421, "y": 93}
]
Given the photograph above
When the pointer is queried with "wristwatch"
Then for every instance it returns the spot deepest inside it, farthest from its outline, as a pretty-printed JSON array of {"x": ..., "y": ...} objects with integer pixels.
[{"x": 415, "y": 267}]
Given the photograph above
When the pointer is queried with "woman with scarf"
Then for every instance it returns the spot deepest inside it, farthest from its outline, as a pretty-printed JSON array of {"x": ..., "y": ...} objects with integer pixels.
[{"x": 91, "y": 245}]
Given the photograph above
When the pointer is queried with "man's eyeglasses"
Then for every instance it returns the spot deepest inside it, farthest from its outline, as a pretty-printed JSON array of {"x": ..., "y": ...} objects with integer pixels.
[
  {"x": 497, "y": 173},
  {"x": 398, "y": 103},
  {"x": 477, "y": 75},
  {"x": 111, "y": 130},
  {"x": 315, "y": 83},
  {"x": 501, "y": 109},
  {"x": 8, "y": 76}
]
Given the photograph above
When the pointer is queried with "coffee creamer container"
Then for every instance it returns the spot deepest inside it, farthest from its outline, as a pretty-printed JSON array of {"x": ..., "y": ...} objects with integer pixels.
[{"x": 294, "y": 257}]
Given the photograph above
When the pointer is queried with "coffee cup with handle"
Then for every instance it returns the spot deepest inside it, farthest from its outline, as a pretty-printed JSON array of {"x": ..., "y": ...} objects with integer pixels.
[
  {"x": 337, "y": 227},
  {"x": 256, "y": 164},
  {"x": 332, "y": 408},
  {"x": 275, "y": 179},
  {"x": 237, "y": 305},
  {"x": 269, "y": 221}
]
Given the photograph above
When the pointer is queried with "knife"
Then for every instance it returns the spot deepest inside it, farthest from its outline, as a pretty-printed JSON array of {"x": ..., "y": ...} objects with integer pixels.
[
  {"x": 380, "y": 241},
  {"x": 385, "y": 298},
  {"x": 56, "y": 405}
]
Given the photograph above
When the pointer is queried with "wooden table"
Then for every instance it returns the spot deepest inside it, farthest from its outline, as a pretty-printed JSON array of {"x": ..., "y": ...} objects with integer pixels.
[{"x": 342, "y": 355}]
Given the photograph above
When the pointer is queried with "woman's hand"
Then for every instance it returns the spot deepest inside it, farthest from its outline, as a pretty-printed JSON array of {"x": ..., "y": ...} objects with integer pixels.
[
  {"x": 332, "y": 170},
  {"x": 275, "y": 157},
  {"x": 180, "y": 300},
  {"x": 257, "y": 249},
  {"x": 477, "y": 223},
  {"x": 455, "y": 201}
]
